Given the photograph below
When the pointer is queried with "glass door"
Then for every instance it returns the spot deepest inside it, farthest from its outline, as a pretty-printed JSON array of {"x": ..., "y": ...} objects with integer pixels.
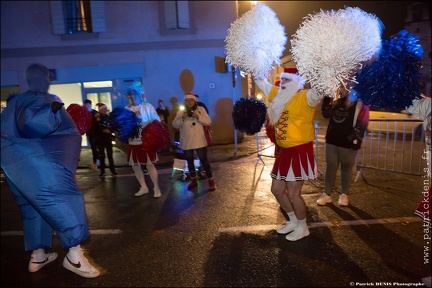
[{"x": 99, "y": 97}]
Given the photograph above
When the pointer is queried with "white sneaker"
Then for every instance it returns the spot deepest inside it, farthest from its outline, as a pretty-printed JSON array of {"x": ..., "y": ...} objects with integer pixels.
[
  {"x": 343, "y": 200},
  {"x": 324, "y": 199},
  {"x": 157, "y": 193},
  {"x": 142, "y": 191},
  {"x": 298, "y": 234},
  {"x": 76, "y": 262},
  {"x": 287, "y": 228},
  {"x": 36, "y": 264}
]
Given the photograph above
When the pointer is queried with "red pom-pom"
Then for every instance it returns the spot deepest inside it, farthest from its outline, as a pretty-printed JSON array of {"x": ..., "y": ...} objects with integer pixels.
[
  {"x": 270, "y": 131},
  {"x": 81, "y": 116},
  {"x": 155, "y": 136}
]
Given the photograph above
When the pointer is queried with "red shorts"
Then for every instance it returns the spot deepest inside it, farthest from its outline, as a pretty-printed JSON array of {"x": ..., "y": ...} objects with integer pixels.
[
  {"x": 295, "y": 163},
  {"x": 136, "y": 154}
]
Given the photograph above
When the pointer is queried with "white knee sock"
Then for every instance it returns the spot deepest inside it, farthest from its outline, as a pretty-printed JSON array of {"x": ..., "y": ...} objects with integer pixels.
[
  {"x": 139, "y": 175},
  {"x": 153, "y": 175},
  {"x": 301, "y": 223},
  {"x": 292, "y": 217}
]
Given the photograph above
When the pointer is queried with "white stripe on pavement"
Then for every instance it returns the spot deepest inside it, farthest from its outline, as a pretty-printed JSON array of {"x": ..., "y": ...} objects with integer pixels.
[
  {"x": 324, "y": 224},
  {"x": 94, "y": 232},
  {"x": 266, "y": 227}
]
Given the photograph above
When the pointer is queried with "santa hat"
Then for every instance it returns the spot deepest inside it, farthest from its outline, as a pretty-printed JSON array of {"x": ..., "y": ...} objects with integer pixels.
[
  {"x": 288, "y": 73},
  {"x": 191, "y": 95},
  {"x": 101, "y": 106}
]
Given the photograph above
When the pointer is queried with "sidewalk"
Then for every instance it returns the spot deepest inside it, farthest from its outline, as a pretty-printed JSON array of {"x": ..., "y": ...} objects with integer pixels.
[{"x": 216, "y": 153}]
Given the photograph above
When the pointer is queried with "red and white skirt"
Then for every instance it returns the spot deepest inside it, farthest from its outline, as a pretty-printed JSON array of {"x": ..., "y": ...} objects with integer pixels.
[
  {"x": 136, "y": 154},
  {"x": 295, "y": 163}
]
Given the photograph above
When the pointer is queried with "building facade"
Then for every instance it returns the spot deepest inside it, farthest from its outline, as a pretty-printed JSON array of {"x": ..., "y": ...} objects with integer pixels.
[{"x": 97, "y": 49}]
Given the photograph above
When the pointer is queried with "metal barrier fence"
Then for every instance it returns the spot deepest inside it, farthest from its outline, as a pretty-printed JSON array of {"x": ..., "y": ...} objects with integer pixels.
[
  {"x": 389, "y": 145},
  {"x": 393, "y": 145}
]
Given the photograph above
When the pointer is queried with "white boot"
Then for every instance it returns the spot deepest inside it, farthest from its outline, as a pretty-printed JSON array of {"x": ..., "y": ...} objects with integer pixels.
[
  {"x": 157, "y": 192},
  {"x": 142, "y": 191},
  {"x": 140, "y": 177}
]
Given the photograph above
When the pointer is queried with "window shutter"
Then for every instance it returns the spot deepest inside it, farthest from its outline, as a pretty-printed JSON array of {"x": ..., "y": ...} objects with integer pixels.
[
  {"x": 183, "y": 14},
  {"x": 170, "y": 14},
  {"x": 57, "y": 17},
  {"x": 98, "y": 16}
]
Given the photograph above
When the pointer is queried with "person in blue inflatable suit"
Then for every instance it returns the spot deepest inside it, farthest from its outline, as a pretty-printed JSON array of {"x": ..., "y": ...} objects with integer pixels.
[{"x": 39, "y": 138}]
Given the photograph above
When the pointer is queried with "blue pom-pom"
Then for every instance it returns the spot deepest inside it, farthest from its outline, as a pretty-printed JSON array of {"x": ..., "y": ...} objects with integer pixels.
[
  {"x": 125, "y": 123},
  {"x": 249, "y": 115},
  {"x": 392, "y": 81}
]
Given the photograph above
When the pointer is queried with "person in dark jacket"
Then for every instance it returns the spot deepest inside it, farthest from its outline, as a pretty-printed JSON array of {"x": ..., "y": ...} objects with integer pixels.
[
  {"x": 103, "y": 139},
  {"x": 91, "y": 135},
  {"x": 349, "y": 118},
  {"x": 163, "y": 111}
]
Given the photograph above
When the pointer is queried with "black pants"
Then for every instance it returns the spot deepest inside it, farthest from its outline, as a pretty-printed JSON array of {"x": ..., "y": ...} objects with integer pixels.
[
  {"x": 94, "y": 148},
  {"x": 202, "y": 155},
  {"x": 109, "y": 152}
]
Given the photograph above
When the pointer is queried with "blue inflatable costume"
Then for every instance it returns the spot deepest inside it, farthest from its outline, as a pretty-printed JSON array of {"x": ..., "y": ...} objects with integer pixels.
[{"x": 39, "y": 138}]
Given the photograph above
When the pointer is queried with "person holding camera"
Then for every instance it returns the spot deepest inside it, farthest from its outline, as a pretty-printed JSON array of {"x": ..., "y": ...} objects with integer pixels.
[
  {"x": 349, "y": 118},
  {"x": 191, "y": 122}
]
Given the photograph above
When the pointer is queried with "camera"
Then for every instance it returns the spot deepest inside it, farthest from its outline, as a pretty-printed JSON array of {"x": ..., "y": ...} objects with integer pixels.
[{"x": 190, "y": 111}]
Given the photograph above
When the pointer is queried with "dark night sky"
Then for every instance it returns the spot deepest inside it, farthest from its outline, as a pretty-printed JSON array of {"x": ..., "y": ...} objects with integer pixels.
[{"x": 291, "y": 13}]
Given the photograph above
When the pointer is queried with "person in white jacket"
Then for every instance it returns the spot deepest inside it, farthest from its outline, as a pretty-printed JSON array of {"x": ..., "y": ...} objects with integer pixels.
[
  {"x": 191, "y": 122},
  {"x": 137, "y": 156}
]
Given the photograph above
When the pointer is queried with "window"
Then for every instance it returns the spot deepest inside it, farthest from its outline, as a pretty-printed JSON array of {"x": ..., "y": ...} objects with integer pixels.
[
  {"x": 77, "y": 17},
  {"x": 175, "y": 17},
  {"x": 176, "y": 14}
]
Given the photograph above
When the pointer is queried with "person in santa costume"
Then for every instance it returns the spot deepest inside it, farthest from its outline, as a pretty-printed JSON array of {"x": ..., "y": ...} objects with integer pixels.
[
  {"x": 138, "y": 157},
  {"x": 291, "y": 111}
]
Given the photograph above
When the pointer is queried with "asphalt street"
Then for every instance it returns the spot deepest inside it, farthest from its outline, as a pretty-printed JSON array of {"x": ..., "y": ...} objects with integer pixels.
[{"x": 226, "y": 238}]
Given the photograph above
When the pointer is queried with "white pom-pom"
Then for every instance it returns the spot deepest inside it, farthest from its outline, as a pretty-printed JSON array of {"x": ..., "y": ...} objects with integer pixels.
[
  {"x": 331, "y": 45},
  {"x": 256, "y": 41}
]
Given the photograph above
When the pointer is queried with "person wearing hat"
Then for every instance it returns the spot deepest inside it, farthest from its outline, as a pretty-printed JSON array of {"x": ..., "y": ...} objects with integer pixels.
[
  {"x": 103, "y": 139},
  {"x": 291, "y": 111},
  {"x": 191, "y": 122},
  {"x": 137, "y": 156}
]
